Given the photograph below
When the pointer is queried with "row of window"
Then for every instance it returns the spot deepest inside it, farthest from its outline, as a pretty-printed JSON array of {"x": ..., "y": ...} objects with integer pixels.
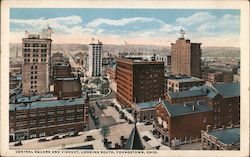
[{"x": 34, "y": 45}]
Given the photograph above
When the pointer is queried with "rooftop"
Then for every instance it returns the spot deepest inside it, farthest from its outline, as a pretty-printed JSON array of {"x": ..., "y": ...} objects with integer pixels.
[
  {"x": 227, "y": 135},
  {"x": 228, "y": 89},
  {"x": 190, "y": 93},
  {"x": 43, "y": 104},
  {"x": 146, "y": 105},
  {"x": 33, "y": 98},
  {"x": 183, "y": 109},
  {"x": 184, "y": 79}
]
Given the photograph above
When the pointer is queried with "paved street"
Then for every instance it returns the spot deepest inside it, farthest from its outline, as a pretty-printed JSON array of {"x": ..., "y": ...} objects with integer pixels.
[{"x": 116, "y": 132}]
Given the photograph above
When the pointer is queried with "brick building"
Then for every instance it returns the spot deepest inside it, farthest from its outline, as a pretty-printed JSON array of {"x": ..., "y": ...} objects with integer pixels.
[
  {"x": 215, "y": 76},
  {"x": 36, "y": 69},
  {"x": 58, "y": 58},
  {"x": 146, "y": 111},
  {"x": 65, "y": 88},
  {"x": 46, "y": 118},
  {"x": 182, "y": 83},
  {"x": 221, "y": 139},
  {"x": 62, "y": 70},
  {"x": 139, "y": 81},
  {"x": 224, "y": 98},
  {"x": 181, "y": 122},
  {"x": 186, "y": 58}
]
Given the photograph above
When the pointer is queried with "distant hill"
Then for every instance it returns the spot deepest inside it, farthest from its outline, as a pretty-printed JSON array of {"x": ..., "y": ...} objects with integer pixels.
[{"x": 115, "y": 49}]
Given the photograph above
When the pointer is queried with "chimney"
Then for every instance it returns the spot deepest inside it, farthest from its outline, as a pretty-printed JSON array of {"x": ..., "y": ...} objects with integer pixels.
[
  {"x": 193, "y": 107},
  {"x": 208, "y": 128},
  {"x": 159, "y": 100}
]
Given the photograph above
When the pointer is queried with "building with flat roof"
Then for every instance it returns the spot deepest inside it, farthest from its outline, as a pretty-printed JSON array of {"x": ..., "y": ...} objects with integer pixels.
[
  {"x": 95, "y": 59},
  {"x": 69, "y": 87},
  {"x": 36, "y": 69},
  {"x": 186, "y": 58},
  {"x": 182, "y": 83},
  {"x": 46, "y": 118},
  {"x": 146, "y": 111},
  {"x": 221, "y": 139},
  {"x": 139, "y": 81},
  {"x": 62, "y": 70}
]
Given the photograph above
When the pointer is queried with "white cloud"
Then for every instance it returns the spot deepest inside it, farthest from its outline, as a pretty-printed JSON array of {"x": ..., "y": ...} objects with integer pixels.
[
  {"x": 120, "y": 22},
  {"x": 68, "y": 24},
  {"x": 197, "y": 18}
]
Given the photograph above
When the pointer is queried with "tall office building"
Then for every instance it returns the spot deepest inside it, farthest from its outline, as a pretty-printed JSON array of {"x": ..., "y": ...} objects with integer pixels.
[
  {"x": 186, "y": 57},
  {"x": 95, "y": 59},
  {"x": 37, "y": 72},
  {"x": 139, "y": 81}
]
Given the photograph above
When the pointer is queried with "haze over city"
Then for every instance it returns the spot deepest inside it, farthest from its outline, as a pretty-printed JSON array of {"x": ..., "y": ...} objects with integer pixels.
[{"x": 135, "y": 26}]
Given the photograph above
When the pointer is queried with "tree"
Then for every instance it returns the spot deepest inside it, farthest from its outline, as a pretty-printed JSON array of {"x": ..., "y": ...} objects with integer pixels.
[{"x": 105, "y": 133}]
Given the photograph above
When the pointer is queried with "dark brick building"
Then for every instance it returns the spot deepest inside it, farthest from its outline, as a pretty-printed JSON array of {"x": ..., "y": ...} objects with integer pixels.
[
  {"x": 65, "y": 88},
  {"x": 139, "y": 80},
  {"x": 182, "y": 121},
  {"x": 62, "y": 70},
  {"x": 46, "y": 118},
  {"x": 223, "y": 99}
]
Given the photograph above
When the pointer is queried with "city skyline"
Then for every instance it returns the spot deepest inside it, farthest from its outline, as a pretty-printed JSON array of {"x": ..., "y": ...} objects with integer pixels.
[{"x": 135, "y": 26}]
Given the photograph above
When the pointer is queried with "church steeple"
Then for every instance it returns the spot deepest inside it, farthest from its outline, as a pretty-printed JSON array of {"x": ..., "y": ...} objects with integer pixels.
[{"x": 134, "y": 141}]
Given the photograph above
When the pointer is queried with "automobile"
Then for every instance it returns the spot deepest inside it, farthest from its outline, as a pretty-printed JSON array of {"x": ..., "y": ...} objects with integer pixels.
[
  {"x": 146, "y": 138},
  {"x": 57, "y": 136},
  {"x": 147, "y": 123},
  {"x": 89, "y": 138},
  {"x": 43, "y": 139},
  {"x": 18, "y": 143},
  {"x": 73, "y": 133}
]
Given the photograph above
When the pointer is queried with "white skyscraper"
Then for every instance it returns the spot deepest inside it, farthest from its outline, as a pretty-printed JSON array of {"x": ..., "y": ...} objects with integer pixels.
[{"x": 95, "y": 59}]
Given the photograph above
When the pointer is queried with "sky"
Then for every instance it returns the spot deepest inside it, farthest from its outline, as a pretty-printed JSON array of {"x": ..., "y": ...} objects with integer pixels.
[{"x": 161, "y": 27}]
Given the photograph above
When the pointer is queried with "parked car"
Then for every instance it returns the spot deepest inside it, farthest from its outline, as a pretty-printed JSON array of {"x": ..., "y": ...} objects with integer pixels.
[
  {"x": 73, "y": 133},
  {"x": 89, "y": 138},
  {"x": 147, "y": 123},
  {"x": 146, "y": 138},
  {"x": 43, "y": 139},
  {"x": 18, "y": 143}
]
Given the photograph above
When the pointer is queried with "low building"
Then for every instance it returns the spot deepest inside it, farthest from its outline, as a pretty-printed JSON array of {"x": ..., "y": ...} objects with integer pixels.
[
  {"x": 62, "y": 70},
  {"x": 217, "y": 76},
  {"x": 58, "y": 57},
  {"x": 181, "y": 122},
  {"x": 46, "y": 118},
  {"x": 146, "y": 111},
  {"x": 182, "y": 83},
  {"x": 65, "y": 88},
  {"x": 221, "y": 139}
]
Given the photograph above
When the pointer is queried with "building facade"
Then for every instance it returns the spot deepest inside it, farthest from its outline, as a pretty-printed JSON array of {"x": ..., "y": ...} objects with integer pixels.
[
  {"x": 95, "y": 59},
  {"x": 186, "y": 58},
  {"x": 36, "y": 69},
  {"x": 46, "y": 118},
  {"x": 62, "y": 71},
  {"x": 65, "y": 88},
  {"x": 182, "y": 83},
  {"x": 139, "y": 81},
  {"x": 224, "y": 98},
  {"x": 175, "y": 122},
  {"x": 221, "y": 139}
]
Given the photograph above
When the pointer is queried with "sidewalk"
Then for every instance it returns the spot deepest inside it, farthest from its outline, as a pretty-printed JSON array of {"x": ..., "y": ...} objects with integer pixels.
[{"x": 127, "y": 114}]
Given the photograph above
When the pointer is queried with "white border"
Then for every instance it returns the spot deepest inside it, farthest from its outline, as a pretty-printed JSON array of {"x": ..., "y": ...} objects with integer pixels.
[{"x": 244, "y": 43}]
